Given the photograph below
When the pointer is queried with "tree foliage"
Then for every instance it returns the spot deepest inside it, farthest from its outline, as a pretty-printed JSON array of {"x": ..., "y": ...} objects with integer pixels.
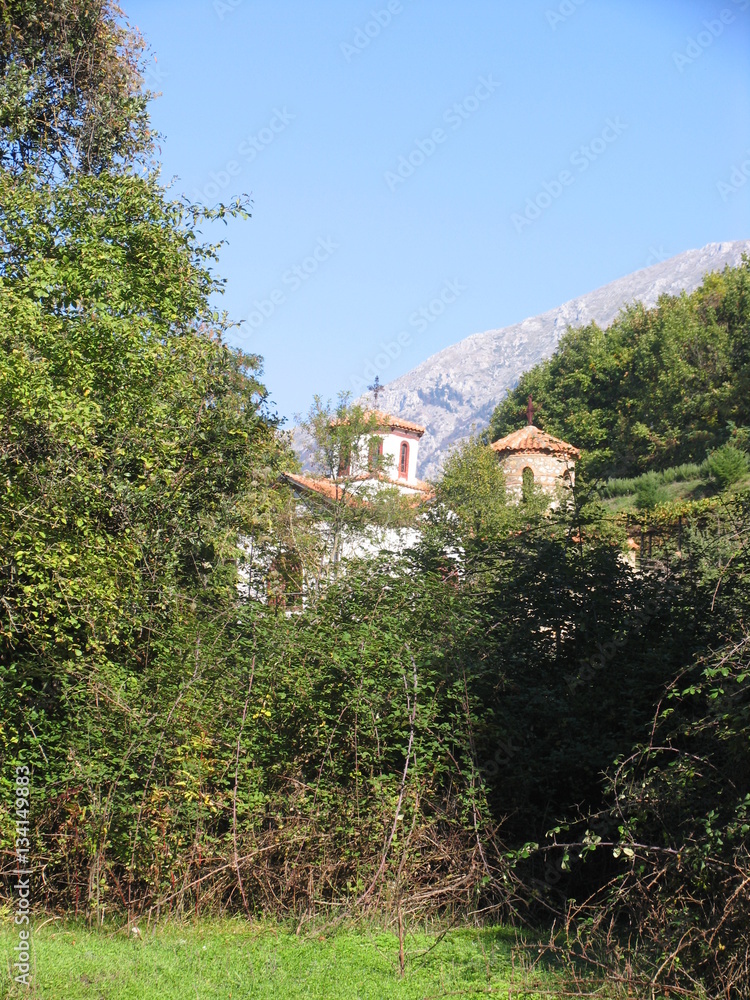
[
  {"x": 472, "y": 488},
  {"x": 659, "y": 387},
  {"x": 511, "y": 717},
  {"x": 728, "y": 465},
  {"x": 71, "y": 88},
  {"x": 676, "y": 812},
  {"x": 135, "y": 449}
]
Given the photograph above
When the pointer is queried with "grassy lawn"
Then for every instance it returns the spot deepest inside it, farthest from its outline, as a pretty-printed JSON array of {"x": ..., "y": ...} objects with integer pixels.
[{"x": 234, "y": 960}]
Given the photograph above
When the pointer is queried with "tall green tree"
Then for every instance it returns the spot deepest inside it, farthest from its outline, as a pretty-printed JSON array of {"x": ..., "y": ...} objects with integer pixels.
[
  {"x": 135, "y": 451},
  {"x": 72, "y": 98}
]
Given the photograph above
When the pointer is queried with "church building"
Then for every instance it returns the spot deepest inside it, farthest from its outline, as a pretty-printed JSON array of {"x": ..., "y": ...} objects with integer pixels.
[
  {"x": 385, "y": 458},
  {"x": 398, "y": 445}
]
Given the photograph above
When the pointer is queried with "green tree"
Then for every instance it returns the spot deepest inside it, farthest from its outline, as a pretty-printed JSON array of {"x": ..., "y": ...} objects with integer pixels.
[
  {"x": 472, "y": 488},
  {"x": 649, "y": 491},
  {"x": 135, "y": 452},
  {"x": 71, "y": 88},
  {"x": 676, "y": 813},
  {"x": 359, "y": 499}
]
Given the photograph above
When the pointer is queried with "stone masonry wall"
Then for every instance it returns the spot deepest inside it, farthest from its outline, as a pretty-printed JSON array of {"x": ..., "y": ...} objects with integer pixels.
[{"x": 549, "y": 470}]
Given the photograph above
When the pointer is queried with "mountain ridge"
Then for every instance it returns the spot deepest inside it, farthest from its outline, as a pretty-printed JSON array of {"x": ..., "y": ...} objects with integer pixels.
[{"x": 456, "y": 389}]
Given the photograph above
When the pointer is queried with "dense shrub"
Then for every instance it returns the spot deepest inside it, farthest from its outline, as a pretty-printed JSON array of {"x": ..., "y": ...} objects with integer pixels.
[
  {"x": 728, "y": 465},
  {"x": 649, "y": 492}
]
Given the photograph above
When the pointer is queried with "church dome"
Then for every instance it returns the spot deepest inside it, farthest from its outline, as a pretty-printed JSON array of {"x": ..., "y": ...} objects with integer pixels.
[{"x": 532, "y": 439}]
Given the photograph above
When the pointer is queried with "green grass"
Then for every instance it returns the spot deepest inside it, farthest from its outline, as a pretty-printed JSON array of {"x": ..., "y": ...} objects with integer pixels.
[{"x": 239, "y": 960}]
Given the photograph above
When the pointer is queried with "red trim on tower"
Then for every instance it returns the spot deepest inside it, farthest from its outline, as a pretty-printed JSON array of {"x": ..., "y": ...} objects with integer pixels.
[{"x": 403, "y": 461}]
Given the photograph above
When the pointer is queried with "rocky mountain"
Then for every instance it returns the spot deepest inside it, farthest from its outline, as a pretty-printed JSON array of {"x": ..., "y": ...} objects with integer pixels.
[{"x": 458, "y": 388}]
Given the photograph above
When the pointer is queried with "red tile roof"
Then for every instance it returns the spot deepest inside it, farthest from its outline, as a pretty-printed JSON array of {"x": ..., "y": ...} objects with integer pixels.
[
  {"x": 320, "y": 484},
  {"x": 326, "y": 487},
  {"x": 531, "y": 438},
  {"x": 388, "y": 421},
  {"x": 396, "y": 423},
  {"x": 413, "y": 484}
]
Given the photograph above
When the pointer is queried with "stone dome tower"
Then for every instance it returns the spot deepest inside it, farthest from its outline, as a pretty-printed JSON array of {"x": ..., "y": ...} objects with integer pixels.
[{"x": 531, "y": 456}]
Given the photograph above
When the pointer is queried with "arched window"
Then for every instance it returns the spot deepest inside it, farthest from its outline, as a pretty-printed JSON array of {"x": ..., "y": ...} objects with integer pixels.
[
  {"x": 403, "y": 461},
  {"x": 528, "y": 480}
]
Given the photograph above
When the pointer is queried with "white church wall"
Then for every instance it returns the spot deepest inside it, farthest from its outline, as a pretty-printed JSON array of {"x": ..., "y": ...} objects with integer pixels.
[
  {"x": 392, "y": 441},
  {"x": 392, "y": 450}
]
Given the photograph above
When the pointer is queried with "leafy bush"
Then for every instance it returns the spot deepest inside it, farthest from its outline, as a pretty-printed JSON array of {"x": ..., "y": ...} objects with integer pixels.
[
  {"x": 618, "y": 487},
  {"x": 727, "y": 465},
  {"x": 649, "y": 491},
  {"x": 681, "y": 473}
]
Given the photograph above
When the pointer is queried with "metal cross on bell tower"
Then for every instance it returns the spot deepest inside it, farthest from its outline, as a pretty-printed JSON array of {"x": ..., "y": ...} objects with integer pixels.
[{"x": 376, "y": 388}]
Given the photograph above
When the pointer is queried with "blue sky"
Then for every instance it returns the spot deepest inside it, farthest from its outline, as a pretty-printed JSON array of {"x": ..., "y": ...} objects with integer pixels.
[{"x": 421, "y": 170}]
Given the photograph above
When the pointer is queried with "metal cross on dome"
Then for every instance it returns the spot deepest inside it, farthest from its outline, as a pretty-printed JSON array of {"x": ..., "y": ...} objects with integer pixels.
[{"x": 530, "y": 410}]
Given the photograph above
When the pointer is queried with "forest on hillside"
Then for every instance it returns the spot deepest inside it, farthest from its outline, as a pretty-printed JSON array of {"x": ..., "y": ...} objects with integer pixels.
[
  {"x": 658, "y": 388},
  {"x": 509, "y": 722}
]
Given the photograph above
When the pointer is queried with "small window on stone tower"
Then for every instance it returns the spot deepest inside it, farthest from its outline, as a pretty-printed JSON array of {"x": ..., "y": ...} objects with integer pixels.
[{"x": 528, "y": 480}]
